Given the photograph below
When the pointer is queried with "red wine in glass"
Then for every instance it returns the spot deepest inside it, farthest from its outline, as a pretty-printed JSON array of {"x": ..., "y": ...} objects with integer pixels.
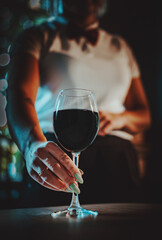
[{"x": 75, "y": 129}]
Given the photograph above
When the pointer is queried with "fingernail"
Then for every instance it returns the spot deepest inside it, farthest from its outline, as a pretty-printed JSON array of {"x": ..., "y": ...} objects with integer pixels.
[
  {"x": 81, "y": 171},
  {"x": 68, "y": 190},
  {"x": 78, "y": 177},
  {"x": 75, "y": 188}
]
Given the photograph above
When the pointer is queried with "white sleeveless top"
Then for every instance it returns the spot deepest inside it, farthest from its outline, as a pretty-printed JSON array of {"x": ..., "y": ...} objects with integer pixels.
[{"x": 106, "y": 68}]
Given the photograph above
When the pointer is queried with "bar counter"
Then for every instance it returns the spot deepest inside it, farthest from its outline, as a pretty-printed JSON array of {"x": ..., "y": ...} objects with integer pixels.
[{"x": 114, "y": 221}]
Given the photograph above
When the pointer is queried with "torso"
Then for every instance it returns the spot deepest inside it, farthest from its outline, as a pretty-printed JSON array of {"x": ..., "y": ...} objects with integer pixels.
[{"x": 103, "y": 68}]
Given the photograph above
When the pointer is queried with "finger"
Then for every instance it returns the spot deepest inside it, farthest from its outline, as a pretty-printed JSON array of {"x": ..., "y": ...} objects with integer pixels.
[
  {"x": 100, "y": 113},
  {"x": 65, "y": 160},
  {"x": 81, "y": 171},
  {"x": 104, "y": 129},
  {"x": 102, "y": 123},
  {"x": 101, "y": 116},
  {"x": 47, "y": 176},
  {"x": 38, "y": 179},
  {"x": 100, "y": 133},
  {"x": 56, "y": 167},
  {"x": 109, "y": 127},
  {"x": 104, "y": 126}
]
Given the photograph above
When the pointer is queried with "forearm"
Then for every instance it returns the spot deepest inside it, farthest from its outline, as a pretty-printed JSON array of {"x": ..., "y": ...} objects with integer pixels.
[
  {"x": 22, "y": 120},
  {"x": 23, "y": 79}
]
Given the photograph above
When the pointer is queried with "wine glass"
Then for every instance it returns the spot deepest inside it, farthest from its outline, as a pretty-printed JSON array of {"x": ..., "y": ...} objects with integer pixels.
[{"x": 76, "y": 123}]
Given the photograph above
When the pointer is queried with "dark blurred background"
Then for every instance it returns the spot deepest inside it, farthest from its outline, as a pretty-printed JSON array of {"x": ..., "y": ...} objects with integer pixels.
[{"x": 139, "y": 23}]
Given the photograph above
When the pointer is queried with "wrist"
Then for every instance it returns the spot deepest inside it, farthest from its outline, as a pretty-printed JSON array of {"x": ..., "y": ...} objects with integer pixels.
[
  {"x": 35, "y": 139},
  {"x": 124, "y": 116}
]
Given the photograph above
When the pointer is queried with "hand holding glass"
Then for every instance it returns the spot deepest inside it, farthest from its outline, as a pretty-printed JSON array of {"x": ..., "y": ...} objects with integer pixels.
[{"x": 76, "y": 123}]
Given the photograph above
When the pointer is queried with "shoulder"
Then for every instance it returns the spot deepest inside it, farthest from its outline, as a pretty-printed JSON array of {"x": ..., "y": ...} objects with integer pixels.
[
  {"x": 114, "y": 41},
  {"x": 35, "y": 33},
  {"x": 33, "y": 39},
  {"x": 28, "y": 36},
  {"x": 39, "y": 33}
]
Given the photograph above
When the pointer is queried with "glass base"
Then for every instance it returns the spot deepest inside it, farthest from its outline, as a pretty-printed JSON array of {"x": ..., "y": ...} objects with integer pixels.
[{"x": 75, "y": 212}]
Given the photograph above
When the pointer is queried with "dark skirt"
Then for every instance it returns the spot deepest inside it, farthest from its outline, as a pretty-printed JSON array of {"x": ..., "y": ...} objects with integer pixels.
[{"x": 111, "y": 174}]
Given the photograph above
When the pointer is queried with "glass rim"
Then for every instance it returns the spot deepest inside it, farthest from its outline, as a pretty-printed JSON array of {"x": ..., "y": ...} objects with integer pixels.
[{"x": 63, "y": 92}]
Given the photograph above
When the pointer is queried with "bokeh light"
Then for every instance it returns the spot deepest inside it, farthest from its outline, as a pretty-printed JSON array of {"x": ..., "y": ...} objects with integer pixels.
[
  {"x": 3, "y": 118},
  {"x": 28, "y": 23},
  {"x": 34, "y": 4},
  {"x": 4, "y": 59},
  {"x": 3, "y": 85}
]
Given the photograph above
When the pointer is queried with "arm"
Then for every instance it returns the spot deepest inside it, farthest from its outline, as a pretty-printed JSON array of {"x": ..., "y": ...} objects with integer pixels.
[
  {"x": 46, "y": 163},
  {"x": 23, "y": 79},
  {"x": 136, "y": 118}
]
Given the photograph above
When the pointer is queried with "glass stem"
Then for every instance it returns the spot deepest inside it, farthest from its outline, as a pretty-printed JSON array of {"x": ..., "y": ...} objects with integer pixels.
[{"x": 75, "y": 199}]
